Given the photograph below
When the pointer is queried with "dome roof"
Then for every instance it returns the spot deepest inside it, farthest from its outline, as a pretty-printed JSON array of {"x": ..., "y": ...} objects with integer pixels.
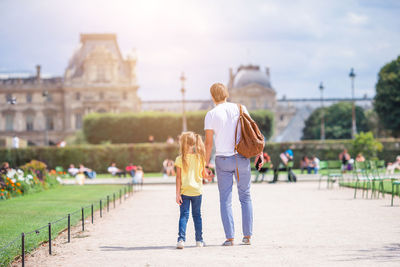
[{"x": 251, "y": 74}]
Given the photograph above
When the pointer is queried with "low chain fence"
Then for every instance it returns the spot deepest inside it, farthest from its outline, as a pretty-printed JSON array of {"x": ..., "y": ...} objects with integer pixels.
[{"x": 28, "y": 241}]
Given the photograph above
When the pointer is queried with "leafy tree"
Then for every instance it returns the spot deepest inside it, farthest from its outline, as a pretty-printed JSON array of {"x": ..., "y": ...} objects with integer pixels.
[
  {"x": 337, "y": 122},
  {"x": 366, "y": 144},
  {"x": 387, "y": 98}
]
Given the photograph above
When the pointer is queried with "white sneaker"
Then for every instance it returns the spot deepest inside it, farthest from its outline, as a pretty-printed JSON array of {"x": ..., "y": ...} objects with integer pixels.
[
  {"x": 246, "y": 241},
  {"x": 180, "y": 244},
  {"x": 200, "y": 244}
]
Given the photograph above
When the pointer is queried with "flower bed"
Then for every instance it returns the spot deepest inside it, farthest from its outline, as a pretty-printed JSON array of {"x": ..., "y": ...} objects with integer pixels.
[{"x": 31, "y": 177}]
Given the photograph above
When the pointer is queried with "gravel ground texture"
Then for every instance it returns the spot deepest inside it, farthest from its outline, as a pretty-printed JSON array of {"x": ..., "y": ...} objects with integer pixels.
[{"x": 294, "y": 225}]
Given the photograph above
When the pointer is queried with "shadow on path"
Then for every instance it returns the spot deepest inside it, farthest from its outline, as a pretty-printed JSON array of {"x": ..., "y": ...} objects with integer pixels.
[
  {"x": 119, "y": 248},
  {"x": 387, "y": 253}
]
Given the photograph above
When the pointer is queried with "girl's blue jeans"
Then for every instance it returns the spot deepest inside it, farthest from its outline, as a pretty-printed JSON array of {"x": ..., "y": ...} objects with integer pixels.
[{"x": 184, "y": 217}]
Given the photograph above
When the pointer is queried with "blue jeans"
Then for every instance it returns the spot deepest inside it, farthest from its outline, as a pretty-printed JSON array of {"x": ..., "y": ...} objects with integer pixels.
[
  {"x": 226, "y": 168},
  {"x": 184, "y": 217}
]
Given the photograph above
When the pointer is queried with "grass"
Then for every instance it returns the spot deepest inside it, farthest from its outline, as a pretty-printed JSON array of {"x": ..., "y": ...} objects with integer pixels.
[{"x": 27, "y": 213}]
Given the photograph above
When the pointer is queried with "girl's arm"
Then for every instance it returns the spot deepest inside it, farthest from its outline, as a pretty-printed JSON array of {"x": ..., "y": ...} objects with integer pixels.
[{"x": 178, "y": 186}]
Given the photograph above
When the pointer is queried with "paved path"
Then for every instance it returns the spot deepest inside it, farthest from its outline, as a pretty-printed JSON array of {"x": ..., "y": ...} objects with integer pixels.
[{"x": 295, "y": 225}]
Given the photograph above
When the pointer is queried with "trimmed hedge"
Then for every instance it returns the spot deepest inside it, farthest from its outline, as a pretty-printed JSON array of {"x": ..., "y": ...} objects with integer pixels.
[
  {"x": 151, "y": 156},
  {"x": 137, "y": 127}
]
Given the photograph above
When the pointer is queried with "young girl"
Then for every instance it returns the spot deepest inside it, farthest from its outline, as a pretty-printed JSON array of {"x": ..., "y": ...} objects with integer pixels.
[{"x": 190, "y": 170}]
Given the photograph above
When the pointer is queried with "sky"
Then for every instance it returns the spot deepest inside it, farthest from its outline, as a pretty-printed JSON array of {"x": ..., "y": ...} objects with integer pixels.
[{"x": 302, "y": 42}]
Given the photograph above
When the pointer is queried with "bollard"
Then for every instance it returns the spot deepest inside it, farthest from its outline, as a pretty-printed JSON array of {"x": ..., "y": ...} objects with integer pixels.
[
  {"x": 69, "y": 228},
  {"x": 83, "y": 220},
  {"x": 101, "y": 210},
  {"x": 114, "y": 199},
  {"x": 108, "y": 203},
  {"x": 120, "y": 196},
  {"x": 50, "y": 238},
  {"x": 92, "y": 213},
  {"x": 23, "y": 249}
]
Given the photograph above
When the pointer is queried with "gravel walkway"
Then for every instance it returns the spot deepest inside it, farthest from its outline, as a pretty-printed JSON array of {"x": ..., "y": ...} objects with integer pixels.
[{"x": 295, "y": 225}]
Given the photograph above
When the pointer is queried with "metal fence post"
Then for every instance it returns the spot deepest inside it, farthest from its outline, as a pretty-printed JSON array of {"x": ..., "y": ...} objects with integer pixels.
[
  {"x": 69, "y": 228},
  {"x": 114, "y": 199},
  {"x": 50, "y": 238},
  {"x": 92, "y": 213},
  {"x": 83, "y": 220},
  {"x": 101, "y": 210},
  {"x": 23, "y": 249},
  {"x": 108, "y": 203}
]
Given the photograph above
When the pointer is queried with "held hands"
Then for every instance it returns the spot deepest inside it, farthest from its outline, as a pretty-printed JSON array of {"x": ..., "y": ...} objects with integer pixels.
[
  {"x": 262, "y": 161},
  {"x": 179, "y": 199}
]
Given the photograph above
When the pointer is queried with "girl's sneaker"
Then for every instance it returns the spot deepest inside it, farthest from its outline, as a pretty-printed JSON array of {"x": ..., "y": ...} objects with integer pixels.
[
  {"x": 200, "y": 244},
  {"x": 180, "y": 244}
]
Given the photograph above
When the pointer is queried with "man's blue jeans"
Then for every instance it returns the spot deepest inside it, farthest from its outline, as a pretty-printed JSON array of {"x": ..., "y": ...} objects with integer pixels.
[
  {"x": 226, "y": 168},
  {"x": 196, "y": 214}
]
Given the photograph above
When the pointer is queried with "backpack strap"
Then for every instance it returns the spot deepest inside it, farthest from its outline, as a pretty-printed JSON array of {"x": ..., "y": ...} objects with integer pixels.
[{"x": 237, "y": 125}]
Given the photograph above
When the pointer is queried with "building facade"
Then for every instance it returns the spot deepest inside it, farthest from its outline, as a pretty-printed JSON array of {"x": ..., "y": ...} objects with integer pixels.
[{"x": 46, "y": 110}]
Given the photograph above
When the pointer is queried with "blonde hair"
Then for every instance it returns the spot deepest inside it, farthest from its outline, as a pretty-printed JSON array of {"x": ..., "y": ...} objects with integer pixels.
[
  {"x": 219, "y": 92},
  {"x": 188, "y": 140}
]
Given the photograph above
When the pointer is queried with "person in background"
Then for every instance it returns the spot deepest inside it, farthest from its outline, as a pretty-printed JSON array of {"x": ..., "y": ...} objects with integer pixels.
[
  {"x": 131, "y": 169},
  {"x": 344, "y": 157},
  {"x": 5, "y": 168},
  {"x": 115, "y": 171},
  {"x": 170, "y": 140},
  {"x": 138, "y": 178},
  {"x": 304, "y": 162},
  {"x": 360, "y": 157},
  {"x": 285, "y": 158},
  {"x": 89, "y": 173},
  {"x": 392, "y": 166},
  {"x": 72, "y": 170},
  {"x": 264, "y": 168},
  {"x": 151, "y": 139},
  {"x": 313, "y": 165}
]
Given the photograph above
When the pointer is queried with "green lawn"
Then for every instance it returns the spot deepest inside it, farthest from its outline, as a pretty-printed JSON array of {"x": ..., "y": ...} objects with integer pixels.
[
  {"x": 107, "y": 175},
  {"x": 27, "y": 213}
]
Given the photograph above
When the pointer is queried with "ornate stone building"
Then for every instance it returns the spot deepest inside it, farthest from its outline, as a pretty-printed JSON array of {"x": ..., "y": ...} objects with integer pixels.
[{"x": 98, "y": 79}]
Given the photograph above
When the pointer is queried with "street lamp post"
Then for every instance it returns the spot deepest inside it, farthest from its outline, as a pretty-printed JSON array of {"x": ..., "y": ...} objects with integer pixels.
[
  {"x": 321, "y": 88},
  {"x": 46, "y": 133},
  {"x": 352, "y": 75},
  {"x": 183, "y": 90}
]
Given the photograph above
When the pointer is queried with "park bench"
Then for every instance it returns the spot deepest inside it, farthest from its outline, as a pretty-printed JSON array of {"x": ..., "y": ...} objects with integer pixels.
[{"x": 330, "y": 169}]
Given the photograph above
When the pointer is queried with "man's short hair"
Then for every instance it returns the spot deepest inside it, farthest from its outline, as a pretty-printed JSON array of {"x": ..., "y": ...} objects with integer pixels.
[{"x": 219, "y": 92}]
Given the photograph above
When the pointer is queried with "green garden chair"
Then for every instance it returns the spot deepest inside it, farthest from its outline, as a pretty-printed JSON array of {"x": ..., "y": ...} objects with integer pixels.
[
  {"x": 323, "y": 171},
  {"x": 334, "y": 172},
  {"x": 60, "y": 171},
  {"x": 361, "y": 173},
  {"x": 395, "y": 183},
  {"x": 287, "y": 167},
  {"x": 376, "y": 177}
]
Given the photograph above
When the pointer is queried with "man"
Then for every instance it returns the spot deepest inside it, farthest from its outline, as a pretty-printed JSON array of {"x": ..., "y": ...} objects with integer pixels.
[
  {"x": 285, "y": 158},
  {"x": 72, "y": 170},
  {"x": 313, "y": 165},
  {"x": 221, "y": 122},
  {"x": 115, "y": 171}
]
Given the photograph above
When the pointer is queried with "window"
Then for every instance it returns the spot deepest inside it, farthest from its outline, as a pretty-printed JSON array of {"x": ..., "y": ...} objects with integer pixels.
[
  {"x": 78, "y": 96},
  {"x": 49, "y": 122},
  {"x": 101, "y": 73},
  {"x": 78, "y": 121},
  {"x": 101, "y": 95},
  {"x": 124, "y": 95},
  {"x": 29, "y": 98},
  {"x": 49, "y": 97},
  {"x": 282, "y": 117},
  {"x": 29, "y": 122},
  {"x": 9, "y": 122},
  {"x": 8, "y": 97}
]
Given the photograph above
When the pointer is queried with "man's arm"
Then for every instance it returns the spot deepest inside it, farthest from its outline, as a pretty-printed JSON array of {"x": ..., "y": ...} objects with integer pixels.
[{"x": 209, "y": 144}]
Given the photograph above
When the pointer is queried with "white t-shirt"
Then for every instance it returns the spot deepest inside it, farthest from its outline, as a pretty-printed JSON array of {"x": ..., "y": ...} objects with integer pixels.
[
  {"x": 222, "y": 120},
  {"x": 113, "y": 170}
]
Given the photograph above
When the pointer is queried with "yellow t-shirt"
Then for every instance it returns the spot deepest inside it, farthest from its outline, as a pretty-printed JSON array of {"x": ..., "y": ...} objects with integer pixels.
[{"x": 192, "y": 178}]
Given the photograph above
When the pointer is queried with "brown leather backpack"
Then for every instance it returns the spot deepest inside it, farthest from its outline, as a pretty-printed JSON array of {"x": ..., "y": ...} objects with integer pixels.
[{"x": 251, "y": 141}]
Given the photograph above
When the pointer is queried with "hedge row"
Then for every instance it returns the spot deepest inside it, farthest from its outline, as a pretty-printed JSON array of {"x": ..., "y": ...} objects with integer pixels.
[
  {"x": 137, "y": 127},
  {"x": 151, "y": 156}
]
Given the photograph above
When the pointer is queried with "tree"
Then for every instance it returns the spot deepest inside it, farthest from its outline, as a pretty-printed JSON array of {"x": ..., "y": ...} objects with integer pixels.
[
  {"x": 366, "y": 144},
  {"x": 387, "y": 98},
  {"x": 337, "y": 122}
]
